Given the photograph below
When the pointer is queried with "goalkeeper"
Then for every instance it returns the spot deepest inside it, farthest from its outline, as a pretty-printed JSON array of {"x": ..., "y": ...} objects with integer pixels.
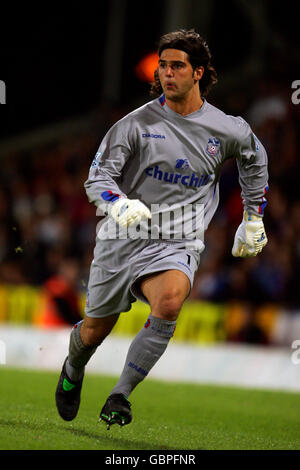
[{"x": 166, "y": 154}]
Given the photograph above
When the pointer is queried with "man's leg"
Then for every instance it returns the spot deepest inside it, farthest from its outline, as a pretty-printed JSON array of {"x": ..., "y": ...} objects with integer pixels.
[
  {"x": 166, "y": 292},
  {"x": 85, "y": 337}
]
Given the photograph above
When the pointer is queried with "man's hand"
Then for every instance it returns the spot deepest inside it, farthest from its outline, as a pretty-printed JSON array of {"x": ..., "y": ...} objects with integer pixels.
[
  {"x": 250, "y": 237},
  {"x": 129, "y": 212}
]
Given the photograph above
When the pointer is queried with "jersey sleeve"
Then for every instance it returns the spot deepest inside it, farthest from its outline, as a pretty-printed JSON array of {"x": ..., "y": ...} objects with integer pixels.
[
  {"x": 252, "y": 163},
  {"x": 102, "y": 186}
]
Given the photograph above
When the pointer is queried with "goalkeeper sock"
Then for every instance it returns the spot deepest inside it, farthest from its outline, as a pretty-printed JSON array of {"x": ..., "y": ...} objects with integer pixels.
[
  {"x": 144, "y": 351},
  {"x": 79, "y": 354}
]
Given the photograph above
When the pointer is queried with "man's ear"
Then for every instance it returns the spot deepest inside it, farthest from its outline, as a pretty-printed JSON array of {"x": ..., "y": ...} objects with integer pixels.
[{"x": 198, "y": 72}]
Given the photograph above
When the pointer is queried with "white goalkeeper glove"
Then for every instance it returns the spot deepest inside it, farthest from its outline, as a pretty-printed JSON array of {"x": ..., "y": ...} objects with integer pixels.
[
  {"x": 129, "y": 212},
  {"x": 250, "y": 237}
]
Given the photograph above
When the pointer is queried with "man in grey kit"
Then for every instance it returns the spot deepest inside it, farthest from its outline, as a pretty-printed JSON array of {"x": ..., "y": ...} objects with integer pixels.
[{"x": 161, "y": 157}]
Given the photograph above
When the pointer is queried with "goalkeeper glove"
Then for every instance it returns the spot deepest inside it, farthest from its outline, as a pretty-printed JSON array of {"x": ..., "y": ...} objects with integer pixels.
[
  {"x": 250, "y": 237},
  {"x": 129, "y": 212}
]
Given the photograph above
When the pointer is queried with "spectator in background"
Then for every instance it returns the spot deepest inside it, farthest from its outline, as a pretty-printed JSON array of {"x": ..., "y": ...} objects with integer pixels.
[{"x": 62, "y": 302}]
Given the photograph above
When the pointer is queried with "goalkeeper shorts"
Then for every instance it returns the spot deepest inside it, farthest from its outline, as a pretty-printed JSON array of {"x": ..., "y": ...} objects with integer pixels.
[{"x": 119, "y": 265}]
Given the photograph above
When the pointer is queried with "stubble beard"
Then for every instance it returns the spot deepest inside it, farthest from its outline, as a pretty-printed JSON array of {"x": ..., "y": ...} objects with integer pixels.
[{"x": 176, "y": 96}]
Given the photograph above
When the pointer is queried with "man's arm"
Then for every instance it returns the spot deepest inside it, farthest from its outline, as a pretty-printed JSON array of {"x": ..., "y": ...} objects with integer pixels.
[
  {"x": 252, "y": 164},
  {"x": 107, "y": 168},
  {"x": 102, "y": 184}
]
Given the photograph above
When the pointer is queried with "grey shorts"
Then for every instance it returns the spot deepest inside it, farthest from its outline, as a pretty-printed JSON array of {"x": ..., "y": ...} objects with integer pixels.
[{"x": 119, "y": 265}]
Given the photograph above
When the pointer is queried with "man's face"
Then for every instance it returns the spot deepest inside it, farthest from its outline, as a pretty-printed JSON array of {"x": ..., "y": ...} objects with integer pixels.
[{"x": 176, "y": 74}]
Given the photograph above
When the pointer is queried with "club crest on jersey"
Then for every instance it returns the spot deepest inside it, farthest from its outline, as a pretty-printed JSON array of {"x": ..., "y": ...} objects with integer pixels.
[
  {"x": 213, "y": 146},
  {"x": 182, "y": 163}
]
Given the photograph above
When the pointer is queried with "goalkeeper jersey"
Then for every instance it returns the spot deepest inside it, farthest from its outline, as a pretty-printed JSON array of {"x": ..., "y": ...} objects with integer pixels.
[{"x": 167, "y": 160}]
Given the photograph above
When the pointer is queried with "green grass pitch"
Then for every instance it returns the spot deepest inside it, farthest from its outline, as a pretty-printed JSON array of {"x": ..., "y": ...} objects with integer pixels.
[{"x": 165, "y": 416}]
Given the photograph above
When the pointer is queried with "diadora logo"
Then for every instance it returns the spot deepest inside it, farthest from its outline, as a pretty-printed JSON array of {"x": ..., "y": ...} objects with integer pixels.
[
  {"x": 213, "y": 146},
  {"x": 176, "y": 178},
  {"x": 154, "y": 136},
  {"x": 182, "y": 163}
]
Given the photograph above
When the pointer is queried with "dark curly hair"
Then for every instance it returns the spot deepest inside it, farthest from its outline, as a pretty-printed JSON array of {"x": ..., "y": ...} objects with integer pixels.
[{"x": 198, "y": 53}]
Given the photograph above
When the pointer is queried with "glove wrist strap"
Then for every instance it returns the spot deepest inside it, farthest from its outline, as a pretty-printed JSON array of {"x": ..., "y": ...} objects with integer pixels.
[{"x": 249, "y": 217}]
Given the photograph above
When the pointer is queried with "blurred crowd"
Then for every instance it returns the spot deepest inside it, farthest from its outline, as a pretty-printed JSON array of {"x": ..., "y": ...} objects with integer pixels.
[{"x": 48, "y": 227}]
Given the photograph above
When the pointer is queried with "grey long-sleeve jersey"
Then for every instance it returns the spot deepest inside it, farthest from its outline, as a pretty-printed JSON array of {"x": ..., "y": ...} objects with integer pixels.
[{"x": 161, "y": 157}]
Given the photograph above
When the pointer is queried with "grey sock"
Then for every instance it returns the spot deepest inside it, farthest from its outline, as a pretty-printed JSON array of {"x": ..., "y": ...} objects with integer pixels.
[
  {"x": 79, "y": 354},
  {"x": 144, "y": 351}
]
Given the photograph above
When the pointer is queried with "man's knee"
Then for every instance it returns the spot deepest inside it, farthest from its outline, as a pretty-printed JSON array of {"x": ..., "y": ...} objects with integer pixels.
[{"x": 168, "y": 304}]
